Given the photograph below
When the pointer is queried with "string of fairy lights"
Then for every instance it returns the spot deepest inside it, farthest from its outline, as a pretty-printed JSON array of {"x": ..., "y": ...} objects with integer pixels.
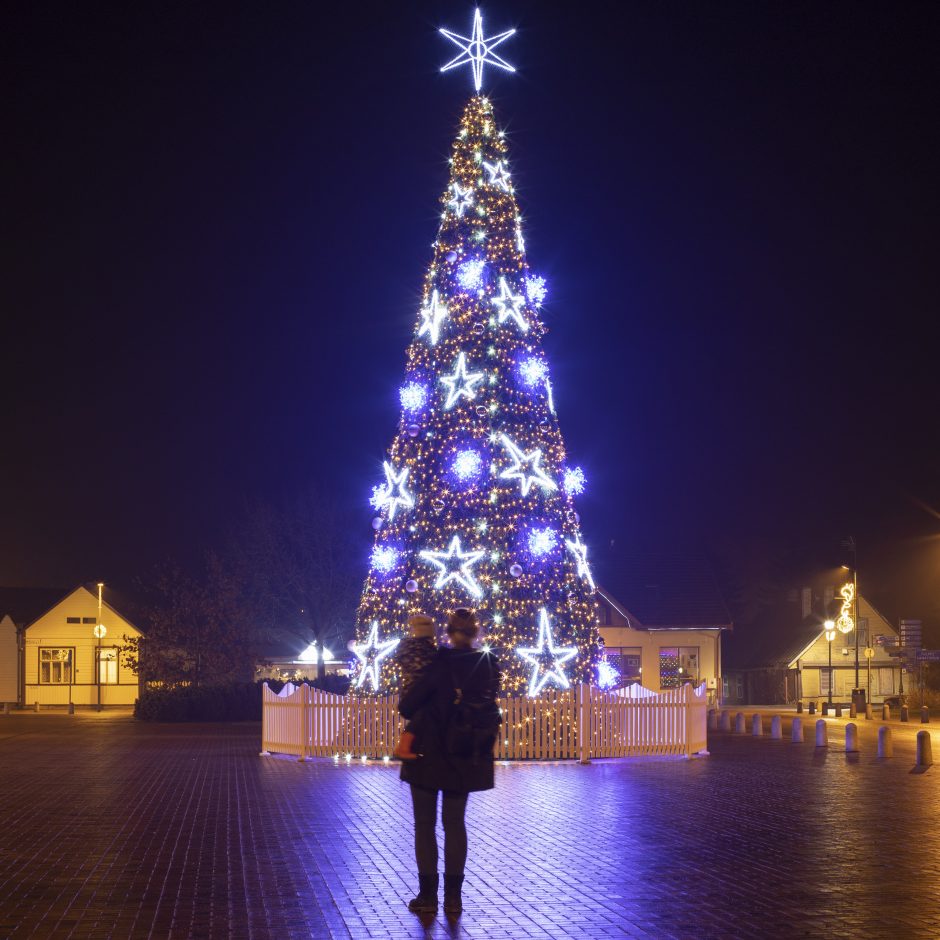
[{"x": 476, "y": 505}]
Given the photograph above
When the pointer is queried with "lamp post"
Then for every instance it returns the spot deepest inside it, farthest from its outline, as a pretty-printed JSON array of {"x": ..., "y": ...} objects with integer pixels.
[
  {"x": 99, "y": 633},
  {"x": 830, "y": 636},
  {"x": 869, "y": 652}
]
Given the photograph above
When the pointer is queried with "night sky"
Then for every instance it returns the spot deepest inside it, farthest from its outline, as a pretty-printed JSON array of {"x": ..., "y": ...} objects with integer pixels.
[{"x": 218, "y": 217}]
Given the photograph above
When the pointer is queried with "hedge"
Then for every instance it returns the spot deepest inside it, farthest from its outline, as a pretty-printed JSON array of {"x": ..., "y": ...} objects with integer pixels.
[{"x": 235, "y": 701}]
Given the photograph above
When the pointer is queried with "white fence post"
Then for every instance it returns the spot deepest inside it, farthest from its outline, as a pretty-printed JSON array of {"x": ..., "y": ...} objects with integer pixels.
[{"x": 584, "y": 723}]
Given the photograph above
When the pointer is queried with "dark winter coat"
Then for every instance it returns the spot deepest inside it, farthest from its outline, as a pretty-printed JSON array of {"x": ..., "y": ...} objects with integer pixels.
[
  {"x": 414, "y": 655},
  {"x": 433, "y": 695}
]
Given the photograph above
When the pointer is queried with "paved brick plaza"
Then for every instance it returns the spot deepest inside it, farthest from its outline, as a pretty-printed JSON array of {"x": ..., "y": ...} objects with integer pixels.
[{"x": 116, "y": 829}]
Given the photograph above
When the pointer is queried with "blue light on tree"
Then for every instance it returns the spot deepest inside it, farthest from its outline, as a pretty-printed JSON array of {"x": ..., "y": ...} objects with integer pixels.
[
  {"x": 533, "y": 371},
  {"x": 542, "y": 541},
  {"x": 607, "y": 675},
  {"x": 535, "y": 289},
  {"x": 413, "y": 395},
  {"x": 470, "y": 274},
  {"x": 384, "y": 558},
  {"x": 574, "y": 481},
  {"x": 467, "y": 465}
]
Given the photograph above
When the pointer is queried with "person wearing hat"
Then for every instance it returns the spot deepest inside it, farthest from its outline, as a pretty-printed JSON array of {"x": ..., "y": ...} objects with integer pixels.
[
  {"x": 413, "y": 656},
  {"x": 456, "y": 698}
]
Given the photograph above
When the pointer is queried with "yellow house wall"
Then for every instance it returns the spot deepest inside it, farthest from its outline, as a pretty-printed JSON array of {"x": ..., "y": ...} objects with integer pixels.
[
  {"x": 816, "y": 657},
  {"x": 649, "y": 643},
  {"x": 52, "y": 630}
]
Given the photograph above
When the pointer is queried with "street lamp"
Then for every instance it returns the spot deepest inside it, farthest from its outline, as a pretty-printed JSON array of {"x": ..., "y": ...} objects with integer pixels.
[
  {"x": 854, "y": 599},
  {"x": 830, "y": 636},
  {"x": 99, "y": 631},
  {"x": 869, "y": 652}
]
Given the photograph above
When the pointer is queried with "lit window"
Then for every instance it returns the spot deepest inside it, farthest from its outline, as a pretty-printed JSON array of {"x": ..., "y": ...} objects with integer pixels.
[
  {"x": 55, "y": 666},
  {"x": 107, "y": 665},
  {"x": 677, "y": 665}
]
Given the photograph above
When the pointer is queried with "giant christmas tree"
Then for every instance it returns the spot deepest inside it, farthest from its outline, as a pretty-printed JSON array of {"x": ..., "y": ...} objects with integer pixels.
[{"x": 476, "y": 505}]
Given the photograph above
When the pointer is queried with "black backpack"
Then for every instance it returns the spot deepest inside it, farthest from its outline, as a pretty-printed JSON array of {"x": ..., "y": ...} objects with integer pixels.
[{"x": 471, "y": 728}]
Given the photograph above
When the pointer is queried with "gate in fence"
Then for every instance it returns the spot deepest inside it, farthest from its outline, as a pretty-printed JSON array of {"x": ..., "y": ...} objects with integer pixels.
[{"x": 578, "y": 723}]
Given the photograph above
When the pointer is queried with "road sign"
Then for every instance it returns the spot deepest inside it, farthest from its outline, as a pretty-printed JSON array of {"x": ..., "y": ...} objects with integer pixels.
[{"x": 928, "y": 656}]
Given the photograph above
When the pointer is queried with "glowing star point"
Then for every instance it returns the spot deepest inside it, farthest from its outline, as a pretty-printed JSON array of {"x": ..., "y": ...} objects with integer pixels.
[
  {"x": 533, "y": 371},
  {"x": 499, "y": 175},
  {"x": 477, "y": 50},
  {"x": 510, "y": 305},
  {"x": 521, "y": 460},
  {"x": 546, "y": 659},
  {"x": 455, "y": 565},
  {"x": 433, "y": 315},
  {"x": 579, "y": 550},
  {"x": 370, "y": 654},
  {"x": 392, "y": 493},
  {"x": 461, "y": 383}
]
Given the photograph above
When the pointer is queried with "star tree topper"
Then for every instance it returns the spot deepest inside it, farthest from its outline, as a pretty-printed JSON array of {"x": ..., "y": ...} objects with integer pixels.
[
  {"x": 477, "y": 50},
  {"x": 546, "y": 659},
  {"x": 370, "y": 654},
  {"x": 455, "y": 565}
]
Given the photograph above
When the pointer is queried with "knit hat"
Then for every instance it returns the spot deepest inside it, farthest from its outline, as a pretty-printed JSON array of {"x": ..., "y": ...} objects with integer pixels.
[
  {"x": 421, "y": 625},
  {"x": 463, "y": 621}
]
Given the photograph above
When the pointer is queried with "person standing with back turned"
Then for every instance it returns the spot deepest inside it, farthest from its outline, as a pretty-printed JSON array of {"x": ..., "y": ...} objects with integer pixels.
[{"x": 457, "y": 697}]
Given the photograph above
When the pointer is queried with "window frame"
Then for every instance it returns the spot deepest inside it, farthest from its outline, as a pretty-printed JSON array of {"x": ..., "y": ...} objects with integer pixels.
[
  {"x": 117, "y": 664},
  {"x": 53, "y": 662}
]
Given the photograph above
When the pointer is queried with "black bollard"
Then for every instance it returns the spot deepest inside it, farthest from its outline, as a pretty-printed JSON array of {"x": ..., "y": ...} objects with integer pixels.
[
  {"x": 903, "y": 713},
  {"x": 924, "y": 715},
  {"x": 799, "y": 707}
]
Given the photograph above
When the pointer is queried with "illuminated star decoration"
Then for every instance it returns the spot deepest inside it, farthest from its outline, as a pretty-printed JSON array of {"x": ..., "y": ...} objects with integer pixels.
[
  {"x": 509, "y": 304},
  {"x": 461, "y": 198},
  {"x": 370, "y": 654},
  {"x": 455, "y": 565},
  {"x": 579, "y": 550},
  {"x": 392, "y": 492},
  {"x": 434, "y": 313},
  {"x": 499, "y": 175},
  {"x": 546, "y": 659},
  {"x": 477, "y": 51},
  {"x": 517, "y": 471},
  {"x": 461, "y": 383}
]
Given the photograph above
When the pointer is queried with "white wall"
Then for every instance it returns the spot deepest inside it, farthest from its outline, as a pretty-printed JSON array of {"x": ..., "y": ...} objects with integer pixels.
[{"x": 8, "y": 660}]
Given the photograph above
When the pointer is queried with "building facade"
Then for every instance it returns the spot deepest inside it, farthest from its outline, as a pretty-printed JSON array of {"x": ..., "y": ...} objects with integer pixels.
[
  {"x": 66, "y": 653},
  {"x": 667, "y": 629}
]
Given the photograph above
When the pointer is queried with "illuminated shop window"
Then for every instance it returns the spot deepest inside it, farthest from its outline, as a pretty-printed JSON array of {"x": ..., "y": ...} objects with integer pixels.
[
  {"x": 55, "y": 666},
  {"x": 678, "y": 664}
]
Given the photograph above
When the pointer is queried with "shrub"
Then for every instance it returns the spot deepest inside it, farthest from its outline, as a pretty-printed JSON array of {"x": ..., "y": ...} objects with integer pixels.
[{"x": 235, "y": 701}]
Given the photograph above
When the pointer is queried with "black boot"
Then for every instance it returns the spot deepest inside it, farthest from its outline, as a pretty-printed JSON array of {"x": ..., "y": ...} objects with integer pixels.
[
  {"x": 426, "y": 901},
  {"x": 452, "y": 901}
]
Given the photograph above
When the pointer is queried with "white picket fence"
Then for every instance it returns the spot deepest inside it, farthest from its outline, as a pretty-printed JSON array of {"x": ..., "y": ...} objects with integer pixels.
[{"x": 578, "y": 723}]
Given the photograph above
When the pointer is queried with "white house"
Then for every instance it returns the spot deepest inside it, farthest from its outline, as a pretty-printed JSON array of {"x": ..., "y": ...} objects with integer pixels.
[{"x": 64, "y": 649}]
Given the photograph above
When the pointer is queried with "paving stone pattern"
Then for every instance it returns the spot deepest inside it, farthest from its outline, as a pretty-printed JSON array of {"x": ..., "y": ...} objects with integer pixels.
[{"x": 115, "y": 829}]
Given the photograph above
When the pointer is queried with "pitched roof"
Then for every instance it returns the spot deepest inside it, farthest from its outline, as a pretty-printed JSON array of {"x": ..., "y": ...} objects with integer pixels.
[
  {"x": 661, "y": 591},
  {"x": 26, "y": 604}
]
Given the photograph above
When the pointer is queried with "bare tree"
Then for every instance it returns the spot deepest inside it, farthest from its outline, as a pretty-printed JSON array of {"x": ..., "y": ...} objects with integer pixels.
[
  {"x": 197, "y": 628},
  {"x": 300, "y": 570}
]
